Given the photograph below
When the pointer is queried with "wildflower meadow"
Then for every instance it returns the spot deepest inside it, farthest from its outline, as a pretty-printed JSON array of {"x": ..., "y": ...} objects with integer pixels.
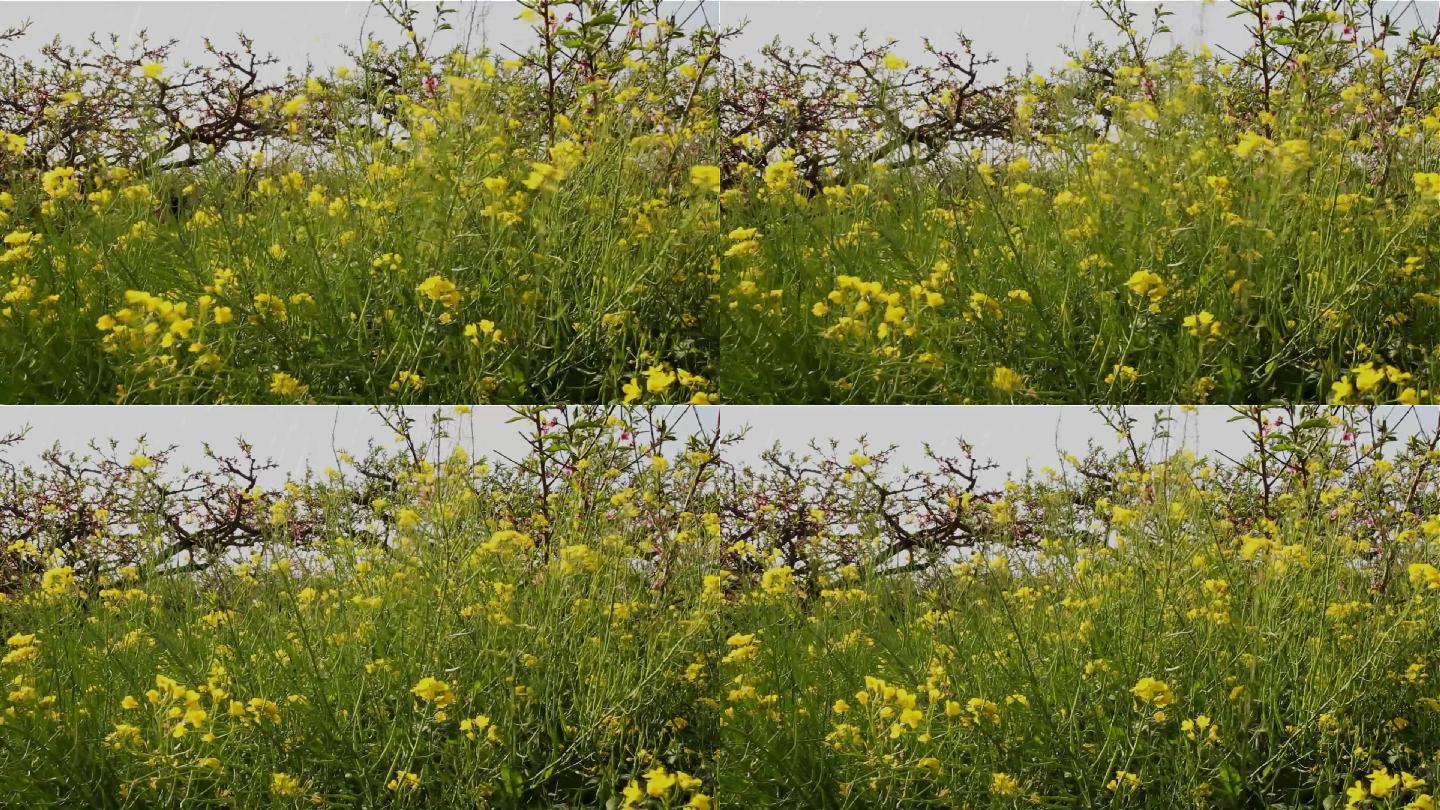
[
  {"x": 527, "y": 223},
  {"x": 633, "y": 614},
  {"x": 1249, "y": 222},
  {"x": 629, "y": 207}
]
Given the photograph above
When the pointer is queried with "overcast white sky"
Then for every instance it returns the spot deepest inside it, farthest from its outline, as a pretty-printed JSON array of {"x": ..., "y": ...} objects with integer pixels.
[
  {"x": 1017, "y": 437},
  {"x": 316, "y": 30},
  {"x": 1016, "y": 32},
  {"x": 295, "y": 31}
]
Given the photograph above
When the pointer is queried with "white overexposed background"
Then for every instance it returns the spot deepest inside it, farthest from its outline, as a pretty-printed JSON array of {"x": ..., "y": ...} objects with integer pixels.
[
  {"x": 296, "y": 32},
  {"x": 1017, "y": 33},
  {"x": 1017, "y": 437}
]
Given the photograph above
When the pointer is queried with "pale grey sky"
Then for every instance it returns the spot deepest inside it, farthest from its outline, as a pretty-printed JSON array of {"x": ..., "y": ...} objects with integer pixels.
[
  {"x": 1015, "y": 32},
  {"x": 294, "y": 436},
  {"x": 314, "y": 30},
  {"x": 1016, "y": 437},
  {"x": 295, "y": 31},
  {"x": 1013, "y": 436}
]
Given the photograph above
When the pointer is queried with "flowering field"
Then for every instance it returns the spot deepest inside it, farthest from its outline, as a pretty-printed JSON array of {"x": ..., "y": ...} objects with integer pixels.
[
  {"x": 629, "y": 208},
  {"x": 533, "y": 224},
  {"x": 627, "y": 618},
  {"x": 1138, "y": 225}
]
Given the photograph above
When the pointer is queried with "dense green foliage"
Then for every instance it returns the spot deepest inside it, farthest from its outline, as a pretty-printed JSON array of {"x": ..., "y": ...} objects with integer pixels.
[{"x": 625, "y": 619}]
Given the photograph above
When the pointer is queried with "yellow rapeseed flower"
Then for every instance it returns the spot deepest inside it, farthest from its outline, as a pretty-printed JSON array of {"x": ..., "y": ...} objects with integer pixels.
[{"x": 1006, "y": 379}]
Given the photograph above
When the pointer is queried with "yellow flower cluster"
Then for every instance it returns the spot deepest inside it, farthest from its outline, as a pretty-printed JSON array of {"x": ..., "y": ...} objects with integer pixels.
[{"x": 496, "y": 252}]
